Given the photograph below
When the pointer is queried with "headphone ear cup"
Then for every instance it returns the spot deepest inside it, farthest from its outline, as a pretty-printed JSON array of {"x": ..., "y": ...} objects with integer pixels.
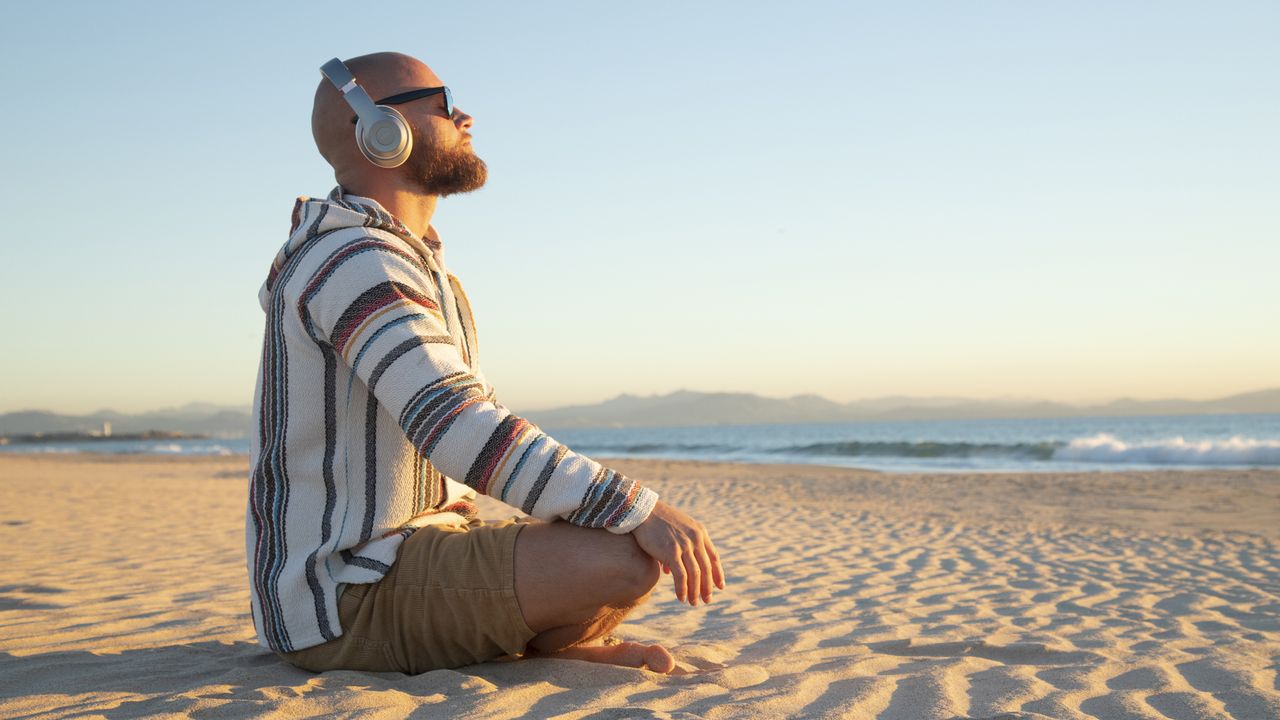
[{"x": 387, "y": 142}]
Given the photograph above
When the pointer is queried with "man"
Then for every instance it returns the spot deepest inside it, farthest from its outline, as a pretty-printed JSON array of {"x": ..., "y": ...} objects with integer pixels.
[{"x": 374, "y": 426}]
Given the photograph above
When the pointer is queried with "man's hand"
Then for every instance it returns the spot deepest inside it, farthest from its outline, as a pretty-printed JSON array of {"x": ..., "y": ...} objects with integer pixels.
[{"x": 684, "y": 548}]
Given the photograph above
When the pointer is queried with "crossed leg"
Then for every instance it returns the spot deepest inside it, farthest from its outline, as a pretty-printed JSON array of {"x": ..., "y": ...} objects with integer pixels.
[{"x": 576, "y": 584}]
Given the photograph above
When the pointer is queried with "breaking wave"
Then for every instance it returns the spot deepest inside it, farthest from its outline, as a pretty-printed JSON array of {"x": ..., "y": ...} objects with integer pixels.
[
  {"x": 1106, "y": 448},
  {"x": 1102, "y": 448}
]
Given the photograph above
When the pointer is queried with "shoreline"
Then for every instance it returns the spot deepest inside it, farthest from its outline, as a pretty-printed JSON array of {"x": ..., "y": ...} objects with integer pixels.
[{"x": 1116, "y": 468}]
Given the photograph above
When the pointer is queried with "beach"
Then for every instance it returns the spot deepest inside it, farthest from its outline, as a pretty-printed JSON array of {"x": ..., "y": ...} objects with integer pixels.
[{"x": 851, "y": 594}]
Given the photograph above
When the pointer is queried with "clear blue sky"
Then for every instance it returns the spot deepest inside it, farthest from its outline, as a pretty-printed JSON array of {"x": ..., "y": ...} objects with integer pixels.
[{"x": 1071, "y": 201}]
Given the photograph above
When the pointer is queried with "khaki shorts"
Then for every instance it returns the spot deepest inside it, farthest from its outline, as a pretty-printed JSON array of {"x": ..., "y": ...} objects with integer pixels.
[{"x": 449, "y": 600}]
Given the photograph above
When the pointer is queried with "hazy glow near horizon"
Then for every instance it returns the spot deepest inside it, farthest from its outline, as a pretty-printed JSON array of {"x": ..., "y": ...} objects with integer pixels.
[{"x": 1066, "y": 202}]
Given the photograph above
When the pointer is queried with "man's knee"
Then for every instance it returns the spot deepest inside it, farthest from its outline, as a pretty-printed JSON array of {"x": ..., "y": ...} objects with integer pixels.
[
  {"x": 565, "y": 575},
  {"x": 637, "y": 573}
]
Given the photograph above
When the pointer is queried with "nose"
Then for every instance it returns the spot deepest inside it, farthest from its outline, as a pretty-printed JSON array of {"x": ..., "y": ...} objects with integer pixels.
[{"x": 462, "y": 120}]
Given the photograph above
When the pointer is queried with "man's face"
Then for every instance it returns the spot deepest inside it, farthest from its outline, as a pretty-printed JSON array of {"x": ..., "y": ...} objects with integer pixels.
[{"x": 442, "y": 161}]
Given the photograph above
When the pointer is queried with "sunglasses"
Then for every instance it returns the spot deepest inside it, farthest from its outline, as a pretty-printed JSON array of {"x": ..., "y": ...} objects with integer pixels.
[{"x": 412, "y": 95}]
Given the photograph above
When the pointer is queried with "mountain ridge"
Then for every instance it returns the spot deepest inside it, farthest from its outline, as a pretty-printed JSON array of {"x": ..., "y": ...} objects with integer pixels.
[
  {"x": 678, "y": 408},
  {"x": 685, "y": 407}
]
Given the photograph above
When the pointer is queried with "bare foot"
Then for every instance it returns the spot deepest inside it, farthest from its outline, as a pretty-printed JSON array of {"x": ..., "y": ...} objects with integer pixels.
[{"x": 627, "y": 654}]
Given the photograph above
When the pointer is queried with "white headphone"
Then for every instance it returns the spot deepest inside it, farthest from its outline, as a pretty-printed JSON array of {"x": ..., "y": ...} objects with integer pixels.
[{"x": 382, "y": 133}]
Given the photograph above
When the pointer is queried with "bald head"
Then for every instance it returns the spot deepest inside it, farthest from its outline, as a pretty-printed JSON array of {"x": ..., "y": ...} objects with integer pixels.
[{"x": 380, "y": 74}]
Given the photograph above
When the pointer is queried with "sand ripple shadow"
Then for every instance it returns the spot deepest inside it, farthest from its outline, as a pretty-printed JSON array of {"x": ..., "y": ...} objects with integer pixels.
[{"x": 1029, "y": 653}]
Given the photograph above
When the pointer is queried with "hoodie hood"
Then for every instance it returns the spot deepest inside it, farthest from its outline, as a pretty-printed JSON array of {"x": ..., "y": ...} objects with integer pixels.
[{"x": 314, "y": 216}]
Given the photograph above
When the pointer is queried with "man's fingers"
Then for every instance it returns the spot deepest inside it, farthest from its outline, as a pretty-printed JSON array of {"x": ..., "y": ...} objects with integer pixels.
[
  {"x": 678, "y": 577},
  {"x": 693, "y": 574},
  {"x": 717, "y": 573},
  {"x": 705, "y": 568}
]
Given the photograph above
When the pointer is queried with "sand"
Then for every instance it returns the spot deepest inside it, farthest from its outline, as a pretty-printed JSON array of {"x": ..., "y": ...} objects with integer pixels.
[{"x": 851, "y": 594}]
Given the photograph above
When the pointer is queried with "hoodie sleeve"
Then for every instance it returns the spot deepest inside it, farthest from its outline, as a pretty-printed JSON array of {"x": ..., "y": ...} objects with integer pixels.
[{"x": 375, "y": 304}]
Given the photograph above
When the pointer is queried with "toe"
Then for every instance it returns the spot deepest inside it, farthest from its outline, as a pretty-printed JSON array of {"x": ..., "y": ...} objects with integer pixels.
[{"x": 658, "y": 659}]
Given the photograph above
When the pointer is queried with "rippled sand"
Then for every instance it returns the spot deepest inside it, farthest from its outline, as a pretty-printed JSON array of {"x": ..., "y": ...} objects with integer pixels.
[{"x": 851, "y": 594}]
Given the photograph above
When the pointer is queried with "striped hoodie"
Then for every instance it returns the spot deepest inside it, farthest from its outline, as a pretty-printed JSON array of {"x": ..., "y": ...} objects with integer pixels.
[{"x": 372, "y": 418}]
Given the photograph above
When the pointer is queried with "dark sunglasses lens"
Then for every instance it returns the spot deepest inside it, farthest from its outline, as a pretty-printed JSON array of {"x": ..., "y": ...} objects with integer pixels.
[{"x": 448, "y": 102}]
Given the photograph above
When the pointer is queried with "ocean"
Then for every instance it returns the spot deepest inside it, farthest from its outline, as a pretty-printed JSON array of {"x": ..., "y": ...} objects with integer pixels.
[{"x": 1039, "y": 445}]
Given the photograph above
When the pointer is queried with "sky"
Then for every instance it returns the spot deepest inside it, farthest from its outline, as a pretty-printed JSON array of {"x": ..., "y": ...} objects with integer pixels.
[{"x": 1074, "y": 202}]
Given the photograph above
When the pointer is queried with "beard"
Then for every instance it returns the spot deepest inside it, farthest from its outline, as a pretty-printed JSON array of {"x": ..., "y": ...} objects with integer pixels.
[{"x": 444, "y": 171}]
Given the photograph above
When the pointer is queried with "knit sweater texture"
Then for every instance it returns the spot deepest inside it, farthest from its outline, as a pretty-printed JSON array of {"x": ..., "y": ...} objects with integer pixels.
[{"x": 372, "y": 418}]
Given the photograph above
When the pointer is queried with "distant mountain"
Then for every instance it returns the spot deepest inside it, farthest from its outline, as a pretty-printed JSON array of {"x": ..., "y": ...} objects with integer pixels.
[
  {"x": 685, "y": 407},
  {"x": 195, "y": 418}
]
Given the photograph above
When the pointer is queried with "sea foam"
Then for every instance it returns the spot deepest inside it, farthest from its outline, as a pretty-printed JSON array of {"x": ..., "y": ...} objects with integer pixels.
[{"x": 1106, "y": 448}]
